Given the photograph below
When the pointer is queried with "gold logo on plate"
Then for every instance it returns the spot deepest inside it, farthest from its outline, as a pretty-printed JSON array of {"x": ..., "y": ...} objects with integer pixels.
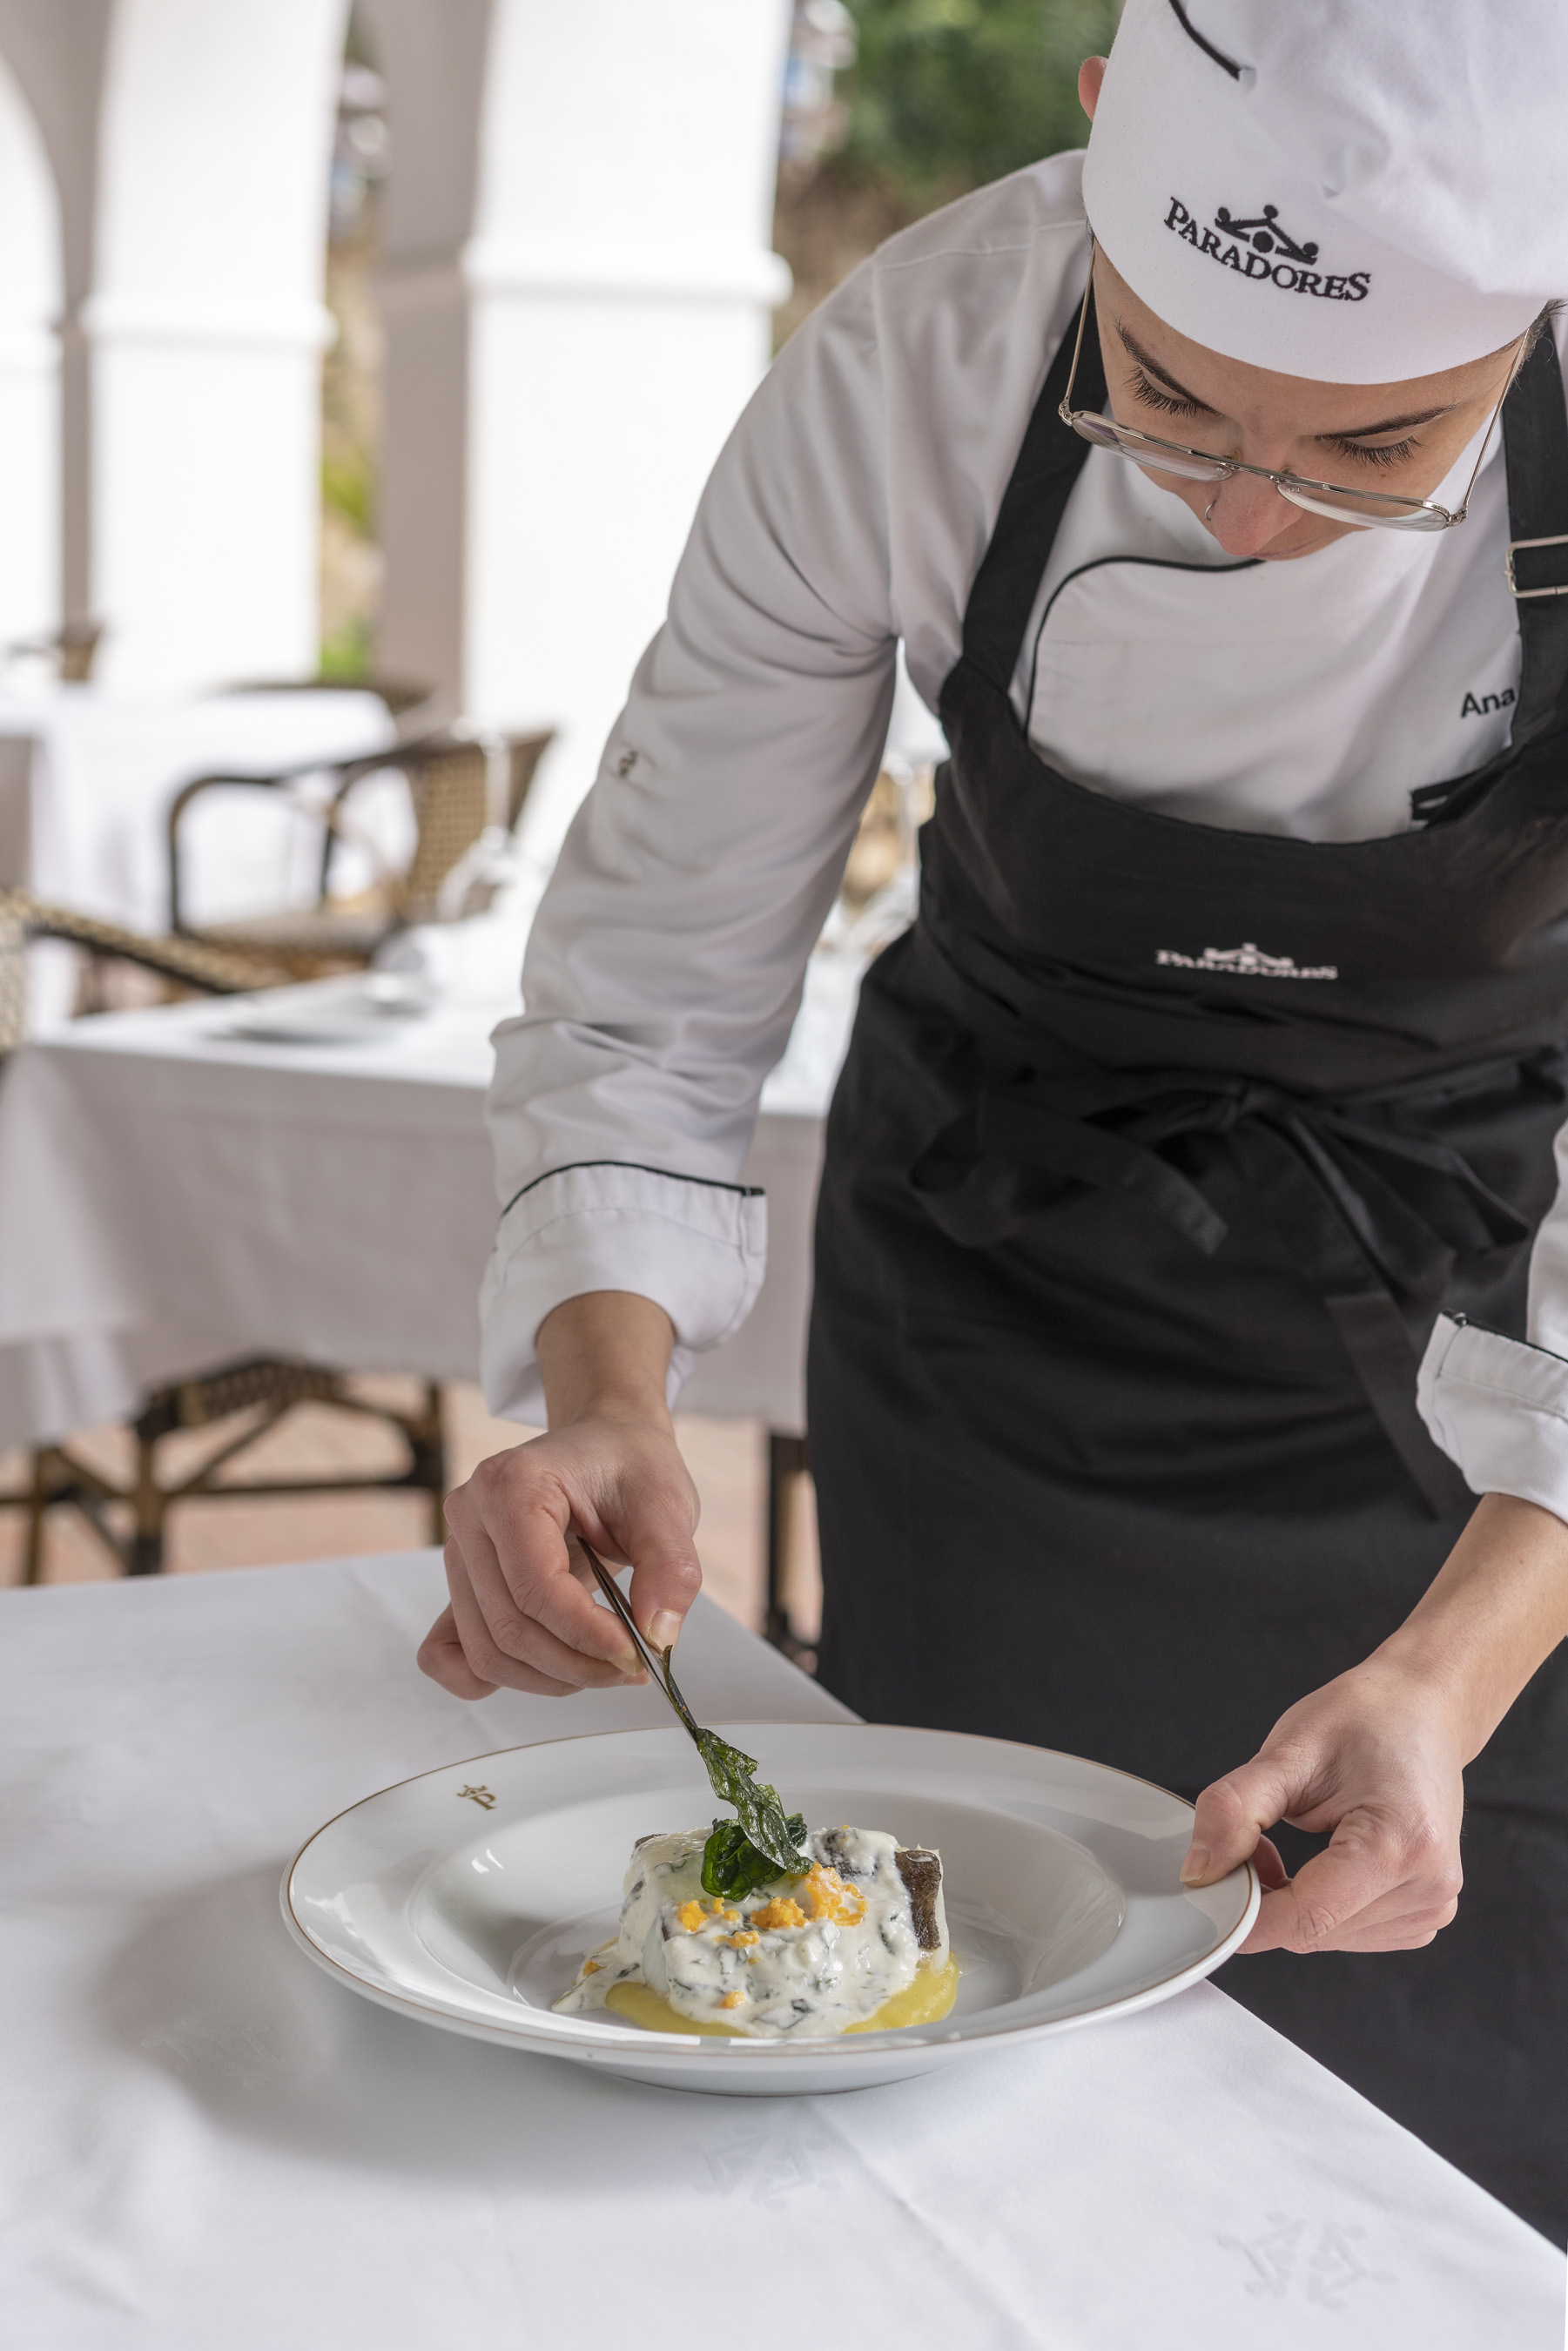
[{"x": 481, "y": 1796}]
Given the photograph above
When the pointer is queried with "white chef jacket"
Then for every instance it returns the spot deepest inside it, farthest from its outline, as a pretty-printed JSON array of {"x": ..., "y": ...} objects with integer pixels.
[{"x": 849, "y": 512}]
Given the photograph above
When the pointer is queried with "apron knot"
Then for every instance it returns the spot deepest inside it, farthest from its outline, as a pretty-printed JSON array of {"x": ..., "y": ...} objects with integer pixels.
[
  {"x": 1344, "y": 1180},
  {"x": 1377, "y": 1215}
]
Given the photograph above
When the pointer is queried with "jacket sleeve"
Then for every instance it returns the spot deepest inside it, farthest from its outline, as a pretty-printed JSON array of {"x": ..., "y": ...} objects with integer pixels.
[
  {"x": 1498, "y": 1406},
  {"x": 665, "y": 964}
]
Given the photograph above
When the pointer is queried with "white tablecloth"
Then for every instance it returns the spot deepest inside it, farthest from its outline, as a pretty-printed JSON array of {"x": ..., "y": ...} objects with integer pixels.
[
  {"x": 86, "y": 782},
  {"x": 210, "y": 2144},
  {"x": 170, "y": 1200}
]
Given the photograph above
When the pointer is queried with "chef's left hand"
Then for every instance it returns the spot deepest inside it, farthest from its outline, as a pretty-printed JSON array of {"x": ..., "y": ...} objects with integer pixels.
[{"x": 1375, "y": 1757}]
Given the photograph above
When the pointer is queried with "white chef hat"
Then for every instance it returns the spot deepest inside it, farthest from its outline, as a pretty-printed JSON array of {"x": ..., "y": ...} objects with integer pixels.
[{"x": 1357, "y": 191}]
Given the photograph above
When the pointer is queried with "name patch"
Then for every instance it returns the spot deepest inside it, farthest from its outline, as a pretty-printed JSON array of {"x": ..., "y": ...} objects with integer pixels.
[
  {"x": 1473, "y": 708},
  {"x": 1249, "y": 247},
  {"x": 1248, "y": 962}
]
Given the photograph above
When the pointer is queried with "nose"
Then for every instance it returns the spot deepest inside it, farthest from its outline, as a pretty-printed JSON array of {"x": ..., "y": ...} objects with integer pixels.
[{"x": 1246, "y": 513}]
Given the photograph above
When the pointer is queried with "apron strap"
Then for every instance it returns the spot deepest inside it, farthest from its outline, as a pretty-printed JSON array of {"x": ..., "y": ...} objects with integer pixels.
[
  {"x": 1049, "y": 463},
  {"x": 1535, "y": 450}
]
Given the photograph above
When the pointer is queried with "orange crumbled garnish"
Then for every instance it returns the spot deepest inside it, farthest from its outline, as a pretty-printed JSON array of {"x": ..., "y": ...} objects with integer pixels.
[
  {"x": 780, "y": 1912},
  {"x": 831, "y": 1898},
  {"x": 590, "y": 1966},
  {"x": 732, "y": 1999},
  {"x": 692, "y": 1915},
  {"x": 738, "y": 1943}
]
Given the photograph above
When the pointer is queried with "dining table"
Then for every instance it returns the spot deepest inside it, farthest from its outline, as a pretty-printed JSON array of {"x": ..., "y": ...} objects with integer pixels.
[
  {"x": 179, "y": 1190},
  {"x": 209, "y": 2141}
]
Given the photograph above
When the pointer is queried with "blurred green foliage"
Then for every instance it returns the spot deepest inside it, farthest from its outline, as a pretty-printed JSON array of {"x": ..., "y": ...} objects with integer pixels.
[
  {"x": 947, "y": 94},
  {"x": 349, "y": 655},
  {"x": 349, "y": 488}
]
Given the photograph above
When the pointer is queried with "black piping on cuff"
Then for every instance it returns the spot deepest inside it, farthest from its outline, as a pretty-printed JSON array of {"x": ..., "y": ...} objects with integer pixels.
[{"x": 742, "y": 1191}]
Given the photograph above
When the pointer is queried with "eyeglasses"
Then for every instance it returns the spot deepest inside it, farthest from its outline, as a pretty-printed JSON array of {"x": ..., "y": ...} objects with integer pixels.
[{"x": 1367, "y": 509}]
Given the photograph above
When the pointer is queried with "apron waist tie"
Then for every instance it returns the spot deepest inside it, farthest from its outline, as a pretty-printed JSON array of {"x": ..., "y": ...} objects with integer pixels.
[{"x": 1377, "y": 1219}]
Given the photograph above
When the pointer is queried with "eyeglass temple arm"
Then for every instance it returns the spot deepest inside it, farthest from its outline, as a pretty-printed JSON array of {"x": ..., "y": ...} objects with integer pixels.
[
  {"x": 1462, "y": 509},
  {"x": 1065, "y": 411}
]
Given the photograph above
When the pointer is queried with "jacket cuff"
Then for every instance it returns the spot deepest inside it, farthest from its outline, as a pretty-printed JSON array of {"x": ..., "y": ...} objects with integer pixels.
[
  {"x": 698, "y": 1249},
  {"x": 1499, "y": 1408}
]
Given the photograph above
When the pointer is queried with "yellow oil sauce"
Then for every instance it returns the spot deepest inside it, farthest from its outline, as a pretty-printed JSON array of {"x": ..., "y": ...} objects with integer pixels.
[{"x": 925, "y": 2002}]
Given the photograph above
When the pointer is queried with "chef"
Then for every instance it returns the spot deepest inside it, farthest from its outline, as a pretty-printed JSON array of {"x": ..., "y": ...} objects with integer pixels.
[{"x": 1187, "y": 1263}]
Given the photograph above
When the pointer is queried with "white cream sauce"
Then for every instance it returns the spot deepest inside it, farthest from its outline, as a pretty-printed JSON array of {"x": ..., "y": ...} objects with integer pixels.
[{"x": 801, "y": 1959}]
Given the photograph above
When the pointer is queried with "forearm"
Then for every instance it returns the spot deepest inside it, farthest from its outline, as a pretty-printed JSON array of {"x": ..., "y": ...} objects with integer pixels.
[
  {"x": 606, "y": 1356},
  {"x": 1495, "y": 1611}
]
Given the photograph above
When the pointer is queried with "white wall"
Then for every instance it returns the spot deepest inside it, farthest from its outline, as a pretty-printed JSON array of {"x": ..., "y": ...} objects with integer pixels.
[
  {"x": 190, "y": 143},
  {"x": 435, "y": 66},
  {"x": 577, "y": 299},
  {"x": 204, "y": 328},
  {"x": 31, "y": 290},
  {"x": 574, "y": 322}
]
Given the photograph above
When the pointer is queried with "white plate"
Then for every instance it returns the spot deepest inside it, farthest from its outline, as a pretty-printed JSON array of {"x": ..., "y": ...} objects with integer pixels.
[
  {"x": 468, "y": 1896},
  {"x": 341, "y": 1012}
]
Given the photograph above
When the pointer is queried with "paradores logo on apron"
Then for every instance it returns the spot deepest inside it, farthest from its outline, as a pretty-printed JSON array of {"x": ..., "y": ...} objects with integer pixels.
[
  {"x": 1262, "y": 250},
  {"x": 1248, "y": 962}
]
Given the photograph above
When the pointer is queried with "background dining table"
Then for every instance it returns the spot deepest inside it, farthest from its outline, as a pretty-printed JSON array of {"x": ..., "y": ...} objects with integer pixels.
[
  {"x": 210, "y": 2143},
  {"x": 173, "y": 1197}
]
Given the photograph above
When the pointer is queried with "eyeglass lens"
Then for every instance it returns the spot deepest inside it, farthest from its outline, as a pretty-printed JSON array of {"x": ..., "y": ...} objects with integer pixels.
[
  {"x": 1104, "y": 435},
  {"x": 1339, "y": 506}
]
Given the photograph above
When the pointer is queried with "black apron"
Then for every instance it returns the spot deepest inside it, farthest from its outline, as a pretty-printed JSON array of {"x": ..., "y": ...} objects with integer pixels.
[{"x": 1158, "y": 1150}]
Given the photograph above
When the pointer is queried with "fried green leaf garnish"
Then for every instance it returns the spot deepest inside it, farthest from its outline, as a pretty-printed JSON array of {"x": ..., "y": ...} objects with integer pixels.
[
  {"x": 769, "y": 1837},
  {"x": 763, "y": 1816},
  {"x": 733, "y": 1867}
]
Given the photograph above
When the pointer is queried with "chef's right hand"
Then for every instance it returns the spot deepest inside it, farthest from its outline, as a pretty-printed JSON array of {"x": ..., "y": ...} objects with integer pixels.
[{"x": 524, "y": 1611}]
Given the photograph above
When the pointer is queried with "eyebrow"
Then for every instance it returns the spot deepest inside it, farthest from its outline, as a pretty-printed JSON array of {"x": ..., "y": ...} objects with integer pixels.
[{"x": 1151, "y": 366}]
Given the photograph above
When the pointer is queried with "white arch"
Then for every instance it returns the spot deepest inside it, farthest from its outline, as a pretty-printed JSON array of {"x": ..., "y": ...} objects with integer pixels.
[
  {"x": 31, "y": 290},
  {"x": 203, "y": 329},
  {"x": 576, "y": 301}
]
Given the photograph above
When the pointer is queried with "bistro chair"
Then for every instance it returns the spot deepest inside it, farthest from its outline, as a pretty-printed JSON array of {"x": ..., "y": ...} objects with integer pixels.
[
  {"x": 265, "y": 1388},
  {"x": 468, "y": 790},
  {"x": 188, "y": 965}
]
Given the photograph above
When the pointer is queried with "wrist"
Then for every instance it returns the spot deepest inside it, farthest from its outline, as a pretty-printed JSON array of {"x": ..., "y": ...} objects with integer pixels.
[
  {"x": 605, "y": 1356},
  {"x": 1408, "y": 1677},
  {"x": 628, "y": 1412},
  {"x": 1487, "y": 1621}
]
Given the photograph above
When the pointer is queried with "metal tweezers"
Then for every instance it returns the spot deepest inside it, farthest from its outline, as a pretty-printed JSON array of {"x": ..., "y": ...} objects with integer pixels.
[{"x": 656, "y": 1660}]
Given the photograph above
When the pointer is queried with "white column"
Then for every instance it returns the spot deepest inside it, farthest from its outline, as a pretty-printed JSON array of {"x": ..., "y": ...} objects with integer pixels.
[
  {"x": 573, "y": 327},
  {"x": 31, "y": 287},
  {"x": 203, "y": 330}
]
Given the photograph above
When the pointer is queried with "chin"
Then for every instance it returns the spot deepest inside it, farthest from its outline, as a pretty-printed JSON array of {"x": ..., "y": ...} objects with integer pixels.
[{"x": 1277, "y": 551}]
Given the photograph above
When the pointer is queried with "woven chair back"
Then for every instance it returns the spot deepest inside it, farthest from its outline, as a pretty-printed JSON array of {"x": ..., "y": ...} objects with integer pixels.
[
  {"x": 449, "y": 787},
  {"x": 190, "y": 963},
  {"x": 458, "y": 789},
  {"x": 13, "y": 975}
]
